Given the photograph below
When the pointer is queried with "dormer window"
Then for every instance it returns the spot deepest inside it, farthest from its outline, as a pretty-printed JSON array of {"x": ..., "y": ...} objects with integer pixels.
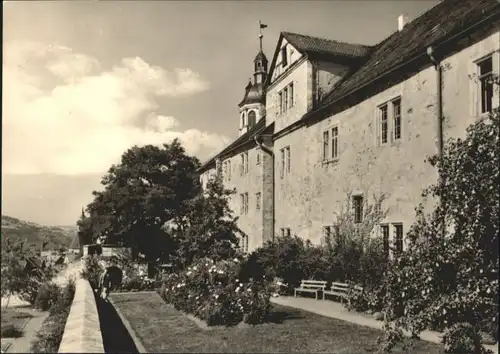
[{"x": 284, "y": 61}]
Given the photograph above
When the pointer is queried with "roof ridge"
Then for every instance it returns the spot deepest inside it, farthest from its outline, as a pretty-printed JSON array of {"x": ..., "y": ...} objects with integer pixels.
[
  {"x": 325, "y": 39},
  {"x": 401, "y": 46}
]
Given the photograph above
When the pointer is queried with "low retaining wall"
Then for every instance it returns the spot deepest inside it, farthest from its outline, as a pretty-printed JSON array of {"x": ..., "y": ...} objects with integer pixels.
[{"x": 82, "y": 333}]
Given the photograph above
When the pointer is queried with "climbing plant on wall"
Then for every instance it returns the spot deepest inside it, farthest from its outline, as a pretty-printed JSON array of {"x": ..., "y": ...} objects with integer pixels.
[{"x": 447, "y": 280}]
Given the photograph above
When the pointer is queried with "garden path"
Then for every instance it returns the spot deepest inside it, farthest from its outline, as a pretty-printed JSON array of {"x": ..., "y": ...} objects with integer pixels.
[
  {"x": 30, "y": 330},
  {"x": 336, "y": 310}
]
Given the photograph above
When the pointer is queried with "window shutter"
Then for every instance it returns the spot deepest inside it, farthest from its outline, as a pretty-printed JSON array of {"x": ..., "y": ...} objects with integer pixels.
[
  {"x": 496, "y": 91},
  {"x": 390, "y": 120},
  {"x": 276, "y": 97},
  {"x": 473, "y": 90},
  {"x": 295, "y": 90}
]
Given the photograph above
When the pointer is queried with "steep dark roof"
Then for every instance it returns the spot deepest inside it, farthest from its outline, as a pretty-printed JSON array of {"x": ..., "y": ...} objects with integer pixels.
[
  {"x": 328, "y": 47},
  {"x": 245, "y": 138},
  {"x": 260, "y": 57},
  {"x": 446, "y": 19},
  {"x": 253, "y": 94}
]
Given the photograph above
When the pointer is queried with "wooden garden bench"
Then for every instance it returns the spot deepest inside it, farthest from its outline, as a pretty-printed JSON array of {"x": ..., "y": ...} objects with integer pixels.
[
  {"x": 311, "y": 286},
  {"x": 342, "y": 290}
]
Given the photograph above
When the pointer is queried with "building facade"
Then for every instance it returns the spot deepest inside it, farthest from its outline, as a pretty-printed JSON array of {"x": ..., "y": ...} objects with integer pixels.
[{"x": 339, "y": 123}]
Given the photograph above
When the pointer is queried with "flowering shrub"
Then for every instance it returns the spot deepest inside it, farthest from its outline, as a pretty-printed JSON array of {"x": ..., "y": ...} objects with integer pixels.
[
  {"x": 212, "y": 292},
  {"x": 462, "y": 338},
  {"x": 448, "y": 277}
]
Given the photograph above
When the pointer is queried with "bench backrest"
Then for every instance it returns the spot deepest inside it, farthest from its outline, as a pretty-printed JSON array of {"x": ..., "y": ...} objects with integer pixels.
[
  {"x": 313, "y": 284},
  {"x": 344, "y": 287}
]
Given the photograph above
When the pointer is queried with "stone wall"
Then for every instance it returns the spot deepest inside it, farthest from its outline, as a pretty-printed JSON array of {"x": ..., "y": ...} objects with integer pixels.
[
  {"x": 250, "y": 182},
  {"x": 82, "y": 333}
]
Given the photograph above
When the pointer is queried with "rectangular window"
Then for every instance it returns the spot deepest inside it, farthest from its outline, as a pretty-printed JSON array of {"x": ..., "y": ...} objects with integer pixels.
[
  {"x": 335, "y": 142},
  {"x": 485, "y": 71},
  {"x": 246, "y": 161},
  {"x": 285, "y": 232},
  {"x": 244, "y": 244},
  {"x": 280, "y": 99},
  {"x": 284, "y": 61},
  {"x": 287, "y": 151},
  {"x": 246, "y": 203},
  {"x": 282, "y": 167},
  {"x": 396, "y": 117},
  {"x": 257, "y": 201},
  {"x": 384, "y": 229},
  {"x": 229, "y": 170},
  {"x": 383, "y": 124},
  {"x": 357, "y": 202},
  {"x": 242, "y": 164},
  {"x": 242, "y": 203},
  {"x": 327, "y": 231},
  {"x": 258, "y": 157},
  {"x": 326, "y": 145},
  {"x": 398, "y": 237},
  {"x": 290, "y": 92}
]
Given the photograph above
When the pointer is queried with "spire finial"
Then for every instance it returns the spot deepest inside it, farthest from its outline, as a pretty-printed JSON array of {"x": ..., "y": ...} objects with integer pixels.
[{"x": 261, "y": 26}]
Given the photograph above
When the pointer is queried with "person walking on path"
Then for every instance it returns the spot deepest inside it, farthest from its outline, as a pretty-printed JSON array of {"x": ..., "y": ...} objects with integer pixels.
[
  {"x": 105, "y": 285},
  {"x": 110, "y": 279}
]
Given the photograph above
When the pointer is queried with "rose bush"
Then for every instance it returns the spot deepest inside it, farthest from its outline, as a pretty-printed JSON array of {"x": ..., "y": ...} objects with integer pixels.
[{"x": 212, "y": 292}]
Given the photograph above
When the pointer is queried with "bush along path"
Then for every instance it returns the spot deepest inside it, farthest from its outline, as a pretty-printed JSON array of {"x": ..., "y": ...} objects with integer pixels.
[{"x": 49, "y": 337}]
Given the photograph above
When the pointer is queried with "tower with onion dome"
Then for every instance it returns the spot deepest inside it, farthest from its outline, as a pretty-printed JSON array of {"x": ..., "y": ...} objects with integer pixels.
[{"x": 253, "y": 105}]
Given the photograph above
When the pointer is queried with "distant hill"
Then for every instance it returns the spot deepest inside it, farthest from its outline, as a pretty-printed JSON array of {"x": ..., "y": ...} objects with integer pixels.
[{"x": 57, "y": 236}]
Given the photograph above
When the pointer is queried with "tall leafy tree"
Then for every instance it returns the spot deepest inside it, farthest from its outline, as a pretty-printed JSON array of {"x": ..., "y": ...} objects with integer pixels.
[
  {"x": 147, "y": 189},
  {"x": 208, "y": 228}
]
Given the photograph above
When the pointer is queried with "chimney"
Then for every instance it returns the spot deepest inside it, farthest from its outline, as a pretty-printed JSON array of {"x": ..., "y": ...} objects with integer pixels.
[{"x": 402, "y": 19}]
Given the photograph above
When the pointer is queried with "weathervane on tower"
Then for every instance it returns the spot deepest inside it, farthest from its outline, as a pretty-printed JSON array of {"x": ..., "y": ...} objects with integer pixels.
[{"x": 261, "y": 26}]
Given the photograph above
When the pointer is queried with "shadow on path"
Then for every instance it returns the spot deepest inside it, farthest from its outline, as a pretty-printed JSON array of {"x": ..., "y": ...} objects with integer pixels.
[{"x": 116, "y": 338}]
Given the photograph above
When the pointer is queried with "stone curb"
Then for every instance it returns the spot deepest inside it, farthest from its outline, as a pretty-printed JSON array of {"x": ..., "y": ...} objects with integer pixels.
[
  {"x": 134, "y": 292},
  {"x": 130, "y": 330},
  {"x": 82, "y": 333}
]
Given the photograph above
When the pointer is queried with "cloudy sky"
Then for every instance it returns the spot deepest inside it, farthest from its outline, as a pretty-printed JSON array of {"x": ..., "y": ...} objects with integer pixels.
[{"x": 85, "y": 80}]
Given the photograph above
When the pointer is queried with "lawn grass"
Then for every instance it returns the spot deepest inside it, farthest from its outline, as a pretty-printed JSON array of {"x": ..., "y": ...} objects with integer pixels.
[
  {"x": 164, "y": 329},
  {"x": 12, "y": 322}
]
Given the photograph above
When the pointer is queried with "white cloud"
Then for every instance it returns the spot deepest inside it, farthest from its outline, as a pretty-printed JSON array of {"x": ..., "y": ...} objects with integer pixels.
[{"x": 63, "y": 114}]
